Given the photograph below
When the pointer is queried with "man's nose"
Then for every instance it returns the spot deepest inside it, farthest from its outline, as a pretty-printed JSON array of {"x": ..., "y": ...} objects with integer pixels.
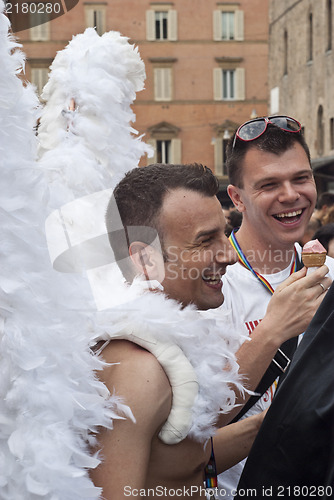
[
  {"x": 288, "y": 193},
  {"x": 226, "y": 254}
]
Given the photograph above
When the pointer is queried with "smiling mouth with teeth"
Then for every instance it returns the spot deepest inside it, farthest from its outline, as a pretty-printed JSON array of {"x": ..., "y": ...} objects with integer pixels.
[
  {"x": 288, "y": 217},
  {"x": 212, "y": 280}
]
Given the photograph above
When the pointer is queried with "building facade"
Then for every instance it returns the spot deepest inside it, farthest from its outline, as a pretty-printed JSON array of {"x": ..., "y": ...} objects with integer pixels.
[
  {"x": 301, "y": 73},
  {"x": 206, "y": 64}
]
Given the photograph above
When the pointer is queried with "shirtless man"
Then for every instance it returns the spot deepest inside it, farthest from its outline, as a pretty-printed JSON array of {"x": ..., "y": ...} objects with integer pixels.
[{"x": 180, "y": 203}]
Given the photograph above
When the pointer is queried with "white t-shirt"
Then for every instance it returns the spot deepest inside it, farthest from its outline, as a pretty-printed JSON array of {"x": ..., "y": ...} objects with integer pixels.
[{"x": 248, "y": 299}]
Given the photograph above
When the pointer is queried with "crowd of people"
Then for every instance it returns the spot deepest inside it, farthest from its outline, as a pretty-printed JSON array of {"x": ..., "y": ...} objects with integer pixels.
[{"x": 324, "y": 217}]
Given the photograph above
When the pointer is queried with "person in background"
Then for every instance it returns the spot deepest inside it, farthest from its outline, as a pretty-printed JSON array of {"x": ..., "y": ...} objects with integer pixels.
[
  {"x": 312, "y": 226},
  {"x": 324, "y": 203},
  {"x": 227, "y": 209},
  {"x": 326, "y": 237},
  {"x": 329, "y": 217},
  {"x": 234, "y": 221}
]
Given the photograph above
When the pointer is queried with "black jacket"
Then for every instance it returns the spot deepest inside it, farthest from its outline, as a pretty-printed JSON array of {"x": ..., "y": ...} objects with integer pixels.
[{"x": 295, "y": 445}]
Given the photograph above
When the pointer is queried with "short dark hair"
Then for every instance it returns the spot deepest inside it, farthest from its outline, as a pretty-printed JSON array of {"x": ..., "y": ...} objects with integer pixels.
[
  {"x": 325, "y": 199},
  {"x": 325, "y": 234},
  {"x": 274, "y": 140},
  {"x": 138, "y": 199}
]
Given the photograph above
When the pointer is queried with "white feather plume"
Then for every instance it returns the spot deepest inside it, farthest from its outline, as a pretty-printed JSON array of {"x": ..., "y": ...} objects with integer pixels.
[
  {"x": 91, "y": 147},
  {"x": 206, "y": 338},
  {"x": 51, "y": 401}
]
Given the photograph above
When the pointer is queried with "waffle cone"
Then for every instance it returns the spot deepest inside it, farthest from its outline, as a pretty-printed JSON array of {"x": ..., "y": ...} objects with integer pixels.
[{"x": 313, "y": 259}]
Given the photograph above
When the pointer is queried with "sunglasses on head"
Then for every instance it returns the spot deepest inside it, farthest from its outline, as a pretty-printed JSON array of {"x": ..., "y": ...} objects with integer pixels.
[{"x": 253, "y": 129}]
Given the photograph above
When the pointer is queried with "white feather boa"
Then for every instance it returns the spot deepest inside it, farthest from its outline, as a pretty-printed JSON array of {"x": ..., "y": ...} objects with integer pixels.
[{"x": 206, "y": 339}]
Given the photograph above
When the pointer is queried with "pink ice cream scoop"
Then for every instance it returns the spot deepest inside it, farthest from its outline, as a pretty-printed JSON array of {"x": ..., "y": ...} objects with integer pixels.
[{"x": 313, "y": 254}]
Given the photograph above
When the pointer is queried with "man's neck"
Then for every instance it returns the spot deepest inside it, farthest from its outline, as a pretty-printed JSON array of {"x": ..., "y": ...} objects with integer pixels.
[{"x": 262, "y": 255}]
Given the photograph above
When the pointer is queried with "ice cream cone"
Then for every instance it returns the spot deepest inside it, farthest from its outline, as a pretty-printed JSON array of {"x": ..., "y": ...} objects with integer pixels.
[{"x": 313, "y": 259}]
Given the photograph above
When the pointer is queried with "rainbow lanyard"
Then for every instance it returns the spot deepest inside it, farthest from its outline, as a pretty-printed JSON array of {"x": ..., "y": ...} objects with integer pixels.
[
  {"x": 211, "y": 473},
  {"x": 243, "y": 260}
]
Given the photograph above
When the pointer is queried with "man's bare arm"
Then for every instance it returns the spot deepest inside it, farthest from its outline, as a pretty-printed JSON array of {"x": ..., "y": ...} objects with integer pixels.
[
  {"x": 233, "y": 442},
  {"x": 126, "y": 449}
]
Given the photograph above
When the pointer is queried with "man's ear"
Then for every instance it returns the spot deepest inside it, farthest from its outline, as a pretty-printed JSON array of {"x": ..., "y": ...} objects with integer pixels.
[
  {"x": 146, "y": 259},
  {"x": 236, "y": 196}
]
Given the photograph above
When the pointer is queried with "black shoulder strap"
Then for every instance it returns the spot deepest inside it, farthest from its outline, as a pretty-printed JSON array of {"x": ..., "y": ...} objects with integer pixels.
[{"x": 277, "y": 368}]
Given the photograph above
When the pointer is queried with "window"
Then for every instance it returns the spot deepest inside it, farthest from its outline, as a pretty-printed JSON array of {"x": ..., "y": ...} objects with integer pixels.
[
  {"x": 310, "y": 37},
  {"x": 39, "y": 77},
  {"x": 329, "y": 24},
  {"x": 163, "y": 77},
  {"x": 220, "y": 145},
  {"x": 228, "y": 25},
  {"x": 223, "y": 134},
  {"x": 229, "y": 84},
  {"x": 166, "y": 144},
  {"x": 331, "y": 131},
  {"x": 166, "y": 151},
  {"x": 320, "y": 131},
  {"x": 161, "y": 32},
  {"x": 40, "y": 26},
  {"x": 163, "y": 151},
  {"x": 96, "y": 17},
  {"x": 161, "y": 23},
  {"x": 285, "y": 41},
  {"x": 162, "y": 84}
]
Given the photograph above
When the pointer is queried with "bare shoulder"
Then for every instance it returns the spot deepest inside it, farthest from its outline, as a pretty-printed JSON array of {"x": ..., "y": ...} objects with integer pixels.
[
  {"x": 122, "y": 355},
  {"x": 135, "y": 374}
]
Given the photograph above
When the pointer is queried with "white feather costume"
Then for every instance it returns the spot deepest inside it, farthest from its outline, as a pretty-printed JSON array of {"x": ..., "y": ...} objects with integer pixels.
[
  {"x": 203, "y": 377},
  {"x": 51, "y": 402}
]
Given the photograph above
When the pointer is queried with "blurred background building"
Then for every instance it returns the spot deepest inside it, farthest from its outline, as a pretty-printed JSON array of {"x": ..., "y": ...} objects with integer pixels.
[
  {"x": 301, "y": 75},
  {"x": 210, "y": 66}
]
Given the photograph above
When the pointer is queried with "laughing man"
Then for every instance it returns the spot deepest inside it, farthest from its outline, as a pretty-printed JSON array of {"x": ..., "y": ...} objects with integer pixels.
[{"x": 272, "y": 185}]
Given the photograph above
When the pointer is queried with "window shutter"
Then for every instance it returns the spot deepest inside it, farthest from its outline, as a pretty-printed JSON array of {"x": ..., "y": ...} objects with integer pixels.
[
  {"x": 240, "y": 84},
  {"x": 153, "y": 143},
  {"x": 217, "y": 84},
  {"x": 89, "y": 18},
  {"x": 176, "y": 151},
  {"x": 158, "y": 84},
  {"x": 39, "y": 77},
  {"x": 172, "y": 25},
  {"x": 150, "y": 25},
  {"x": 168, "y": 84},
  {"x": 163, "y": 84},
  {"x": 239, "y": 24},
  {"x": 274, "y": 101},
  {"x": 218, "y": 156},
  {"x": 45, "y": 30},
  {"x": 217, "y": 25}
]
